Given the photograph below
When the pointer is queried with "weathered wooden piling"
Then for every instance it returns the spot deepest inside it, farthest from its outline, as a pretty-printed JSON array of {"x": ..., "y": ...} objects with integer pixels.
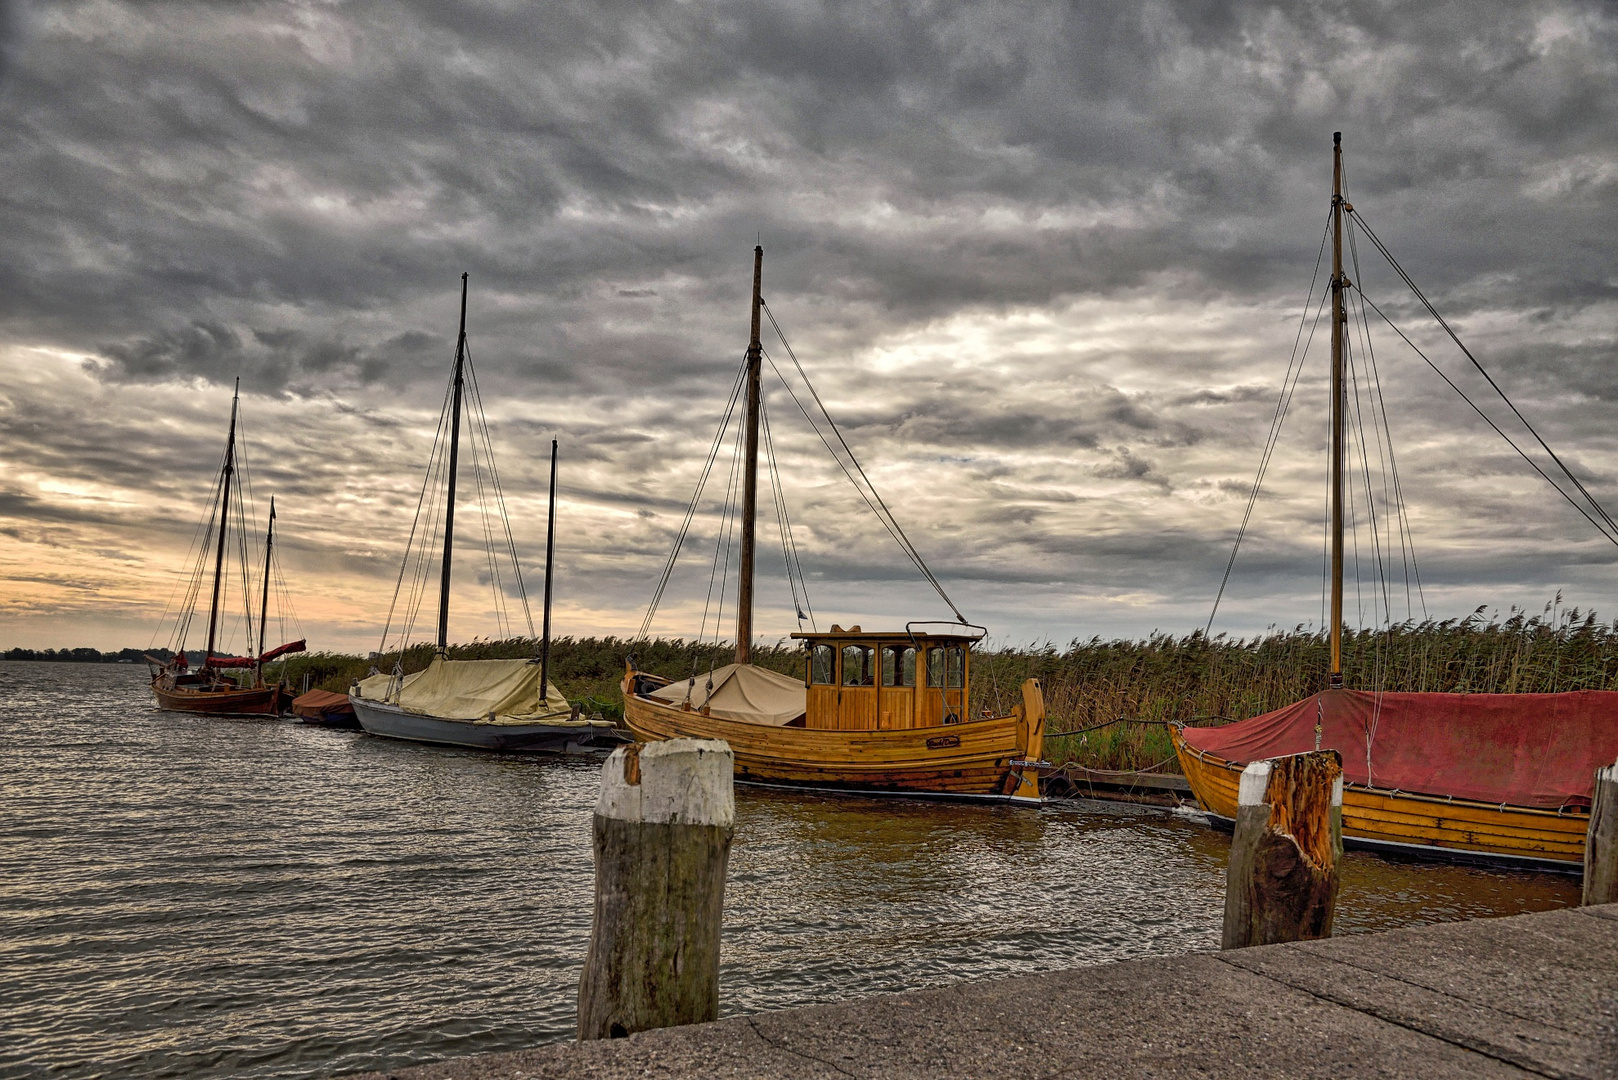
[
  {"x": 1601, "y": 841},
  {"x": 1283, "y": 874},
  {"x": 662, "y": 841}
]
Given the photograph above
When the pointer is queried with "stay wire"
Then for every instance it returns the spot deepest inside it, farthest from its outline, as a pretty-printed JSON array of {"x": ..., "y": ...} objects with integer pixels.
[
  {"x": 1433, "y": 311},
  {"x": 1289, "y": 386},
  {"x": 1599, "y": 527},
  {"x": 885, "y": 515},
  {"x": 691, "y": 507}
]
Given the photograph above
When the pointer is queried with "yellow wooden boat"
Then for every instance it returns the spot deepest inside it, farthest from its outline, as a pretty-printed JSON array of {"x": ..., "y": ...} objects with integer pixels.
[
  {"x": 860, "y": 723},
  {"x": 1400, "y": 821},
  {"x": 872, "y": 712}
]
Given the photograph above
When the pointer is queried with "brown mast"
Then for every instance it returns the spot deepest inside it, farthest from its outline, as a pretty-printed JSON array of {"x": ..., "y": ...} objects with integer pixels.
[
  {"x": 449, "y": 506},
  {"x": 744, "y": 589},
  {"x": 224, "y": 520},
  {"x": 264, "y": 603},
  {"x": 1338, "y": 326}
]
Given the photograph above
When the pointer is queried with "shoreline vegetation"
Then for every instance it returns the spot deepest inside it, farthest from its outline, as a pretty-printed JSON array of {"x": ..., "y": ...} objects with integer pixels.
[{"x": 1124, "y": 691}]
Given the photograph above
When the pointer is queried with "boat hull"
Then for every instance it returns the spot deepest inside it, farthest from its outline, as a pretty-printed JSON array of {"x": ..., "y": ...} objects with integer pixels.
[
  {"x": 1415, "y": 824},
  {"x": 251, "y": 701},
  {"x": 971, "y": 760},
  {"x": 392, "y": 722}
]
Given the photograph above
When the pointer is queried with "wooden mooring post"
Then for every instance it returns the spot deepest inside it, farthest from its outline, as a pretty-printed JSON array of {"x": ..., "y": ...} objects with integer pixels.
[
  {"x": 1283, "y": 874},
  {"x": 1601, "y": 841},
  {"x": 662, "y": 840}
]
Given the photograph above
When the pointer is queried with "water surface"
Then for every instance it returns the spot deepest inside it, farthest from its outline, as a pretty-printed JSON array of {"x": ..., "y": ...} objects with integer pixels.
[{"x": 195, "y": 897}]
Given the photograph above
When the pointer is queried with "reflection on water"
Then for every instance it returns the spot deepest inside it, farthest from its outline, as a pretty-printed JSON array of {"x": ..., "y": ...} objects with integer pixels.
[{"x": 199, "y": 897}]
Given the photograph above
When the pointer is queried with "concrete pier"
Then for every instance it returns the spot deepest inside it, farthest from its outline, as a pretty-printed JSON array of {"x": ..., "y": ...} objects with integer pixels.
[{"x": 1531, "y": 995}]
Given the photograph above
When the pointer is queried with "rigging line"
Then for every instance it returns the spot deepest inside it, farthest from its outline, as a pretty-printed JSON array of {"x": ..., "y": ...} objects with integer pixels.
[
  {"x": 500, "y": 495},
  {"x": 783, "y": 520},
  {"x": 502, "y": 624},
  {"x": 1370, "y": 494},
  {"x": 1486, "y": 419},
  {"x": 791, "y": 535},
  {"x": 727, "y": 532},
  {"x": 199, "y": 546},
  {"x": 726, "y": 509},
  {"x": 691, "y": 507},
  {"x": 1407, "y": 539},
  {"x": 1468, "y": 353},
  {"x": 1283, "y": 403},
  {"x": 410, "y": 541},
  {"x": 894, "y": 526},
  {"x": 1407, "y": 542}
]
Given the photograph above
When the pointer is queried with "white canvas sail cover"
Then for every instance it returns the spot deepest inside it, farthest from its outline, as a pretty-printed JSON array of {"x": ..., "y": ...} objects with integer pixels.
[
  {"x": 742, "y": 692},
  {"x": 481, "y": 691}
]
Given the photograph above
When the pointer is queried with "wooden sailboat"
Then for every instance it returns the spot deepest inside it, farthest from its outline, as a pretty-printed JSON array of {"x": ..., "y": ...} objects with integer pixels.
[
  {"x": 1496, "y": 777},
  {"x": 507, "y": 705},
  {"x": 211, "y": 688},
  {"x": 878, "y": 712}
]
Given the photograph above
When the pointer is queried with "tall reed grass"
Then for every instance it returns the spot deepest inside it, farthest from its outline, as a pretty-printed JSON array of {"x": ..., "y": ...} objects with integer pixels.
[
  {"x": 1191, "y": 679},
  {"x": 1197, "y": 680}
]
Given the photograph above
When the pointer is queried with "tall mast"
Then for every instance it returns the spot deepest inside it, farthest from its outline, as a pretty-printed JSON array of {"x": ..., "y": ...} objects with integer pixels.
[
  {"x": 1338, "y": 326},
  {"x": 264, "y": 604},
  {"x": 224, "y": 520},
  {"x": 454, "y": 453},
  {"x": 744, "y": 590},
  {"x": 550, "y": 561}
]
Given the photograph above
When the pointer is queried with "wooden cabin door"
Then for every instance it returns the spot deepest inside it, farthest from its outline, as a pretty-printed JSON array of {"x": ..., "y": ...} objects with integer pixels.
[{"x": 897, "y": 707}]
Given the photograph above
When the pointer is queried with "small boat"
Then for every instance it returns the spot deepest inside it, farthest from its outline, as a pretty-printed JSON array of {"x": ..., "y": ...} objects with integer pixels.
[
  {"x": 506, "y": 705},
  {"x": 322, "y": 708},
  {"x": 872, "y": 712},
  {"x": 214, "y": 687},
  {"x": 1471, "y": 777}
]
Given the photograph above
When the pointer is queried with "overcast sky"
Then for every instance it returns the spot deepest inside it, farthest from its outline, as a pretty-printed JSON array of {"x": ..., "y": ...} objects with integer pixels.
[{"x": 1044, "y": 262}]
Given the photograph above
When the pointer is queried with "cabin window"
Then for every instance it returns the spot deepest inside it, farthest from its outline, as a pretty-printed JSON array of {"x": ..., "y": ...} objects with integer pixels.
[
  {"x": 898, "y": 665},
  {"x": 822, "y": 665},
  {"x": 946, "y": 667},
  {"x": 859, "y": 665}
]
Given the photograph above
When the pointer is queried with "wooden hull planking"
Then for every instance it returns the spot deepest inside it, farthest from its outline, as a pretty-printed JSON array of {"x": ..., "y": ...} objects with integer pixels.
[
  {"x": 968, "y": 760},
  {"x": 1419, "y": 824},
  {"x": 250, "y": 701}
]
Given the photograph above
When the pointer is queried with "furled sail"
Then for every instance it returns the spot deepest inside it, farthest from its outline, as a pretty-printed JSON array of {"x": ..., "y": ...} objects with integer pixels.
[{"x": 742, "y": 692}]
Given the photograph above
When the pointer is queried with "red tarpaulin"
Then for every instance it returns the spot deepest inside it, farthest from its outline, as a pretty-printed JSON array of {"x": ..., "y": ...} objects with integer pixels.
[{"x": 1537, "y": 750}]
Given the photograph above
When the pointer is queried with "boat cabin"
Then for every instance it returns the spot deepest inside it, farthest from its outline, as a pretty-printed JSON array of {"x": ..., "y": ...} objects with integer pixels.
[{"x": 861, "y": 681}]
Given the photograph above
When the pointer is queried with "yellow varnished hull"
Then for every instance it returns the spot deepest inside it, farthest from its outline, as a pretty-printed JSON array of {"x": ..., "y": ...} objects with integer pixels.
[
  {"x": 965, "y": 760},
  {"x": 1401, "y": 820}
]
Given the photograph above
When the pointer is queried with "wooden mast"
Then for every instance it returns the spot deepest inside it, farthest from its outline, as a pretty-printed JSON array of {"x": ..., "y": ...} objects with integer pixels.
[
  {"x": 224, "y": 520},
  {"x": 449, "y": 509},
  {"x": 264, "y": 603},
  {"x": 550, "y": 561},
  {"x": 1338, "y": 326},
  {"x": 744, "y": 589}
]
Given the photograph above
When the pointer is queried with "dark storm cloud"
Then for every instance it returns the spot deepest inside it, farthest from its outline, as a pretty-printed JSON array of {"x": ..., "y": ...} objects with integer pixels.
[{"x": 1041, "y": 257}]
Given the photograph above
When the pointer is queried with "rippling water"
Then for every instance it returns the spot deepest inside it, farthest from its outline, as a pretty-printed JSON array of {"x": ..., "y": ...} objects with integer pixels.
[{"x": 194, "y": 897}]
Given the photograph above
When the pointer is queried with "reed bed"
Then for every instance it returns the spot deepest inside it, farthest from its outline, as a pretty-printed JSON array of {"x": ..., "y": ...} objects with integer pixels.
[
  {"x": 1191, "y": 679},
  {"x": 1194, "y": 679}
]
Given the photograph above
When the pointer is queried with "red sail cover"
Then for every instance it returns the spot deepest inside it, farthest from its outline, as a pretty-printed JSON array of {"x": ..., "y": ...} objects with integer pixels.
[
  {"x": 248, "y": 661},
  {"x": 1539, "y": 750}
]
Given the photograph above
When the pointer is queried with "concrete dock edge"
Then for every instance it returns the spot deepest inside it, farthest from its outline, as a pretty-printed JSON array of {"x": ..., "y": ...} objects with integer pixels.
[{"x": 1528, "y": 995}]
